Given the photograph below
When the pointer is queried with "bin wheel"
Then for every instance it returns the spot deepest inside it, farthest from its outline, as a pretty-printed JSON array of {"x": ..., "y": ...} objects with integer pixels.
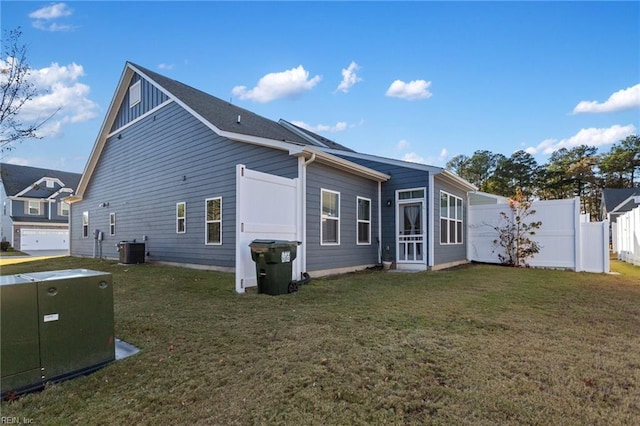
[{"x": 293, "y": 287}]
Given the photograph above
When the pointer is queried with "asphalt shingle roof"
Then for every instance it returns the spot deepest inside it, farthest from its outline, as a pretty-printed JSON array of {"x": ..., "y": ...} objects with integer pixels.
[
  {"x": 614, "y": 196},
  {"x": 16, "y": 178},
  {"x": 223, "y": 114}
]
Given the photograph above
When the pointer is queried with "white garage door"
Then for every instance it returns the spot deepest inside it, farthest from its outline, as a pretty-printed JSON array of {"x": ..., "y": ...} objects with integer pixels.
[{"x": 44, "y": 239}]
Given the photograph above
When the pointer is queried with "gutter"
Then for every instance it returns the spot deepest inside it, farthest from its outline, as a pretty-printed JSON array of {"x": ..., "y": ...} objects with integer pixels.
[{"x": 310, "y": 153}]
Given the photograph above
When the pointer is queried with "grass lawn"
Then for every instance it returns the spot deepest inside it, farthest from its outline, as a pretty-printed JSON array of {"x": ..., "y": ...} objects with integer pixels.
[{"x": 478, "y": 344}]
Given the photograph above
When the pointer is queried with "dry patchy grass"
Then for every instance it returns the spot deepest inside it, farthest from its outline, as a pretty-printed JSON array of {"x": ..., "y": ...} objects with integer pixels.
[{"x": 474, "y": 345}]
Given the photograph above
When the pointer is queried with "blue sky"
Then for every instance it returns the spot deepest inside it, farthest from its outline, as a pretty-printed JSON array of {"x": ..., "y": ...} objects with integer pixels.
[{"x": 420, "y": 81}]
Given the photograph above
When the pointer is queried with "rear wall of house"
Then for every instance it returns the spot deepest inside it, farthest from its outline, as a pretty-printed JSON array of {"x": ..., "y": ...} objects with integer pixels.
[
  {"x": 448, "y": 253},
  {"x": 348, "y": 253},
  {"x": 402, "y": 178},
  {"x": 147, "y": 168}
]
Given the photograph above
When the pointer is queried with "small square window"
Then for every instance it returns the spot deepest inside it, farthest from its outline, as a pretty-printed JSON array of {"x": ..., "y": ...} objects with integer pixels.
[{"x": 34, "y": 207}]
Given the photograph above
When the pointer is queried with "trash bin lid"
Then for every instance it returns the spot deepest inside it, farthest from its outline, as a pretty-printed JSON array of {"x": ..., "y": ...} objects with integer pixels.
[{"x": 273, "y": 243}]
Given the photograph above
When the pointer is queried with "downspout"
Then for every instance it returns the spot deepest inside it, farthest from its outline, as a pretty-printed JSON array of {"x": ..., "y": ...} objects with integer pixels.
[
  {"x": 431, "y": 206},
  {"x": 303, "y": 184},
  {"x": 379, "y": 223}
]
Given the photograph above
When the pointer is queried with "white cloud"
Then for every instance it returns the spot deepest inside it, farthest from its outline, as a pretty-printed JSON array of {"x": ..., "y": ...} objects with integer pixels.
[
  {"x": 622, "y": 99},
  {"x": 402, "y": 145},
  {"x": 285, "y": 84},
  {"x": 592, "y": 137},
  {"x": 60, "y": 99},
  {"x": 414, "y": 157},
  {"x": 338, "y": 127},
  {"x": 349, "y": 78},
  {"x": 44, "y": 17},
  {"x": 414, "y": 90},
  {"x": 57, "y": 10},
  {"x": 166, "y": 66}
]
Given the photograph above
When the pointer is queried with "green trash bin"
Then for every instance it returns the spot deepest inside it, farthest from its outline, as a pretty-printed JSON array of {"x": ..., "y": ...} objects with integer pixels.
[{"x": 273, "y": 260}]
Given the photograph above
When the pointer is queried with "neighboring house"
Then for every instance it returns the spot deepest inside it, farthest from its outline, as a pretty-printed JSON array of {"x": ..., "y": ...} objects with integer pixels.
[
  {"x": 197, "y": 179},
  {"x": 34, "y": 215},
  {"x": 615, "y": 203},
  {"x": 618, "y": 201}
]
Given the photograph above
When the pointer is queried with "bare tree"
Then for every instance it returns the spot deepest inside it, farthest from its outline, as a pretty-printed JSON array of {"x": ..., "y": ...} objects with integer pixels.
[{"x": 16, "y": 90}]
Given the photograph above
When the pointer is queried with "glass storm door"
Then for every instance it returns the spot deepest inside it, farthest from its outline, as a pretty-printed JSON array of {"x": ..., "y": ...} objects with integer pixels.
[{"x": 411, "y": 233}]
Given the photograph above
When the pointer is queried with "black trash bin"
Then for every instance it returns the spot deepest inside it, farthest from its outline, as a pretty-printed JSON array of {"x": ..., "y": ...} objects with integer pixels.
[
  {"x": 273, "y": 260},
  {"x": 131, "y": 252}
]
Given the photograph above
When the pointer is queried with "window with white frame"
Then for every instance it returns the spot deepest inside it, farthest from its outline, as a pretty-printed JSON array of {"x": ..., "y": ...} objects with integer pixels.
[
  {"x": 181, "y": 218},
  {"x": 213, "y": 221},
  {"x": 34, "y": 207},
  {"x": 85, "y": 224},
  {"x": 134, "y": 94},
  {"x": 112, "y": 224},
  {"x": 364, "y": 220},
  {"x": 330, "y": 218},
  {"x": 451, "y": 216},
  {"x": 64, "y": 209}
]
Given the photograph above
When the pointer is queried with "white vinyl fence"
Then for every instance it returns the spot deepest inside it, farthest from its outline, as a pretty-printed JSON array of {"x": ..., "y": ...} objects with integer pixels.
[
  {"x": 565, "y": 240},
  {"x": 628, "y": 236}
]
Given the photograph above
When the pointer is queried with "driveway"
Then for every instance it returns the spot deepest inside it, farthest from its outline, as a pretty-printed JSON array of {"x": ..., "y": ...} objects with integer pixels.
[{"x": 32, "y": 255}]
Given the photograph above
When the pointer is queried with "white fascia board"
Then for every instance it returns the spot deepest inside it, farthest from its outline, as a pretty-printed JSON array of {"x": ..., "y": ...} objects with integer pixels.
[
  {"x": 632, "y": 199},
  {"x": 457, "y": 180},
  {"x": 98, "y": 146},
  {"x": 38, "y": 182},
  {"x": 16, "y": 198},
  {"x": 58, "y": 192},
  {"x": 339, "y": 163}
]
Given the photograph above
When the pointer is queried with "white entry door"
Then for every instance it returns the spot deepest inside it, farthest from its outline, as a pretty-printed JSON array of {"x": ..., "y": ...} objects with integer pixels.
[{"x": 411, "y": 232}]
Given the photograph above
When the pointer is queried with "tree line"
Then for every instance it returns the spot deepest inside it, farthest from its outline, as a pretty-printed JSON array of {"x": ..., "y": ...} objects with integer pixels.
[{"x": 580, "y": 171}]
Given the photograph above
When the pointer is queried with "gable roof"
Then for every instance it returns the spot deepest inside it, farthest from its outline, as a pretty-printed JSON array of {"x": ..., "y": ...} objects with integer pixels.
[
  {"x": 18, "y": 180},
  {"x": 616, "y": 198},
  {"x": 222, "y": 117}
]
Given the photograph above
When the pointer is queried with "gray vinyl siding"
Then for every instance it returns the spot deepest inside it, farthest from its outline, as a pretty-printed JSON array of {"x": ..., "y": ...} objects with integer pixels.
[
  {"x": 20, "y": 211},
  {"x": 446, "y": 253},
  {"x": 348, "y": 253},
  {"x": 150, "y": 97},
  {"x": 401, "y": 178},
  {"x": 163, "y": 159}
]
